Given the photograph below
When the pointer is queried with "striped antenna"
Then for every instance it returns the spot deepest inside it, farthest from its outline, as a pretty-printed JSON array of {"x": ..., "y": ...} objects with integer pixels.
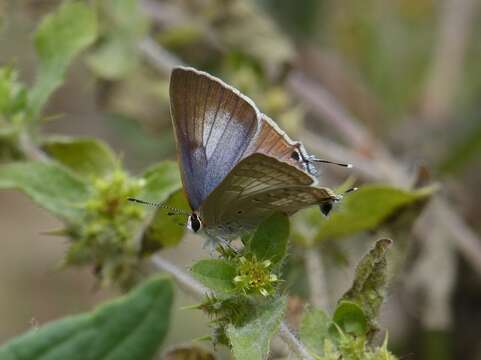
[{"x": 172, "y": 210}]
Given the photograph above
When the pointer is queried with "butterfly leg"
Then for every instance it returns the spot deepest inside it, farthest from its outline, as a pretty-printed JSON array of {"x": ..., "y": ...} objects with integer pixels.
[
  {"x": 226, "y": 247},
  {"x": 210, "y": 245},
  {"x": 213, "y": 243}
]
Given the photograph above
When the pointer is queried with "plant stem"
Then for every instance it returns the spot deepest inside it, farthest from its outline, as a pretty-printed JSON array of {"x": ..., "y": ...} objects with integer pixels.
[
  {"x": 197, "y": 290},
  {"x": 158, "y": 57},
  {"x": 30, "y": 149},
  {"x": 293, "y": 342},
  {"x": 317, "y": 279},
  {"x": 187, "y": 282},
  {"x": 456, "y": 24}
]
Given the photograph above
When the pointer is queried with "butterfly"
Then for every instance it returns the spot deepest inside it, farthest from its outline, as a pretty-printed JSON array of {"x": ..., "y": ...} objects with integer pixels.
[{"x": 237, "y": 166}]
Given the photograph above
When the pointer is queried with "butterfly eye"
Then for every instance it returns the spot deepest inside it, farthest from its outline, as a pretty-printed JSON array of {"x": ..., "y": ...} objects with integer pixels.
[
  {"x": 295, "y": 155},
  {"x": 194, "y": 223}
]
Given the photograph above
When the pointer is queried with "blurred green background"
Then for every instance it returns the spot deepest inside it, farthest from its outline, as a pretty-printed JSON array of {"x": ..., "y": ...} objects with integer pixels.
[{"x": 408, "y": 73}]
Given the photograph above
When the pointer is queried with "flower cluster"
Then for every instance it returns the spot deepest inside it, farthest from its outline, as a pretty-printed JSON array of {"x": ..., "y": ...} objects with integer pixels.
[
  {"x": 107, "y": 233},
  {"x": 255, "y": 277}
]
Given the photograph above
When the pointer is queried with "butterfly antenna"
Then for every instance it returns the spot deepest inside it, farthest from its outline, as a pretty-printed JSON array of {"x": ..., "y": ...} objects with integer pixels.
[
  {"x": 172, "y": 210},
  {"x": 351, "y": 190},
  {"x": 331, "y": 162}
]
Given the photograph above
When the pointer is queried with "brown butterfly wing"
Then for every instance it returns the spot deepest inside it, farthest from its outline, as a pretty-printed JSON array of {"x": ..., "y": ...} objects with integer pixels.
[
  {"x": 213, "y": 124},
  {"x": 258, "y": 186},
  {"x": 273, "y": 141}
]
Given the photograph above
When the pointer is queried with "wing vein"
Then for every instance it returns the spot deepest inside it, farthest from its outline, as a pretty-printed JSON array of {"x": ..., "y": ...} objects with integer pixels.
[
  {"x": 227, "y": 124},
  {"x": 215, "y": 118}
]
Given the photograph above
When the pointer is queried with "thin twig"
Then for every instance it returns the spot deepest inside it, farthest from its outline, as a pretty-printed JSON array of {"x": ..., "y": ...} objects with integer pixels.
[
  {"x": 30, "y": 149},
  {"x": 197, "y": 290},
  {"x": 187, "y": 282},
  {"x": 434, "y": 273},
  {"x": 293, "y": 342},
  {"x": 444, "y": 75},
  {"x": 468, "y": 242},
  {"x": 316, "y": 276},
  {"x": 158, "y": 57},
  {"x": 324, "y": 104},
  {"x": 353, "y": 133}
]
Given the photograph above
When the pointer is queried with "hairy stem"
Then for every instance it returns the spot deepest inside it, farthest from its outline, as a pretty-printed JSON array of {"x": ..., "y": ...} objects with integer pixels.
[
  {"x": 293, "y": 342},
  {"x": 185, "y": 281}
]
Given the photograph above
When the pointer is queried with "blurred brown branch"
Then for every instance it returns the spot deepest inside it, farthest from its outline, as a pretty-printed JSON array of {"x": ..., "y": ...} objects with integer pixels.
[
  {"x": 328, "y": 110},
  {"x": 158, "y": 57},
  {"x": 455, "y": 27},
  {"x": 316, "y": 276}
]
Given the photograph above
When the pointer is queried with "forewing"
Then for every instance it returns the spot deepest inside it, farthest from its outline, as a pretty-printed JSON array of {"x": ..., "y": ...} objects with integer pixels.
[
  {"x": 213, "y": 124},
  {"x": 258, "y": 186},
  {"x": 273, "y": 141}
]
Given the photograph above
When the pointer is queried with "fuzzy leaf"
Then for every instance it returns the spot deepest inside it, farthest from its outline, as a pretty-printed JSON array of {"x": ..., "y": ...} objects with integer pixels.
[
  {"x": 270, "y": 239},
  {"x": 367, "y": 208},
  {"x": 60, "y": 37},
  {"x": 216, "y": 274},
  {"x": 165, "y": 230},
  {"x": 13, "y": 94},
  {"x": 132, "y": 327},
  {"x": 314, "y": 329},
  {"x": 369, "y": 284},
  {"x": 251, "y": 341},
  {"x": 350, "y": 318},
  {"x": 86, "y": 157},
  {"x": 49, "y": 185},
  {"x": 161, "y": 180}
]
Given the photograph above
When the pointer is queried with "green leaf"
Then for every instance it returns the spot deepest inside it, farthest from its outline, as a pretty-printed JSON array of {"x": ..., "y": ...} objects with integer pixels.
[
  {"x": 132, "y": 327},
  {"x": 50, "y": 185},
  {"x": 314, "y": 329},
  {"x": 161, "y": 181},
  {"x": 13, "y": 94},
  {"x": 60, "y": 37},
  {"x": 125, "y": 26},
  {"x": 216, "y": 274},
  {"x": 350, "y": 318},
  {"x": 369, "y": 283},
  {"x": 367, "y": 208},
  {"x": 113, "y": 59},
  {"x": 165, "y": 230},
  {"x": 84, "y": 156},
  {"x": 251, "y": 341},
  {"x": 270, "y": 239}
]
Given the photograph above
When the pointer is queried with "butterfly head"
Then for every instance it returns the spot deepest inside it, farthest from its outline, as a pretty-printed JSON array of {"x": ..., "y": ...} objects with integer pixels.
[
  {"x": 194, "y": 223},
  {"x": 300, "y": 155}
]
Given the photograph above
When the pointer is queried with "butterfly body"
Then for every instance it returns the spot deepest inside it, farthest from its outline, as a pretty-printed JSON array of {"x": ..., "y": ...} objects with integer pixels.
[{"x": 238, "y": 167}]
